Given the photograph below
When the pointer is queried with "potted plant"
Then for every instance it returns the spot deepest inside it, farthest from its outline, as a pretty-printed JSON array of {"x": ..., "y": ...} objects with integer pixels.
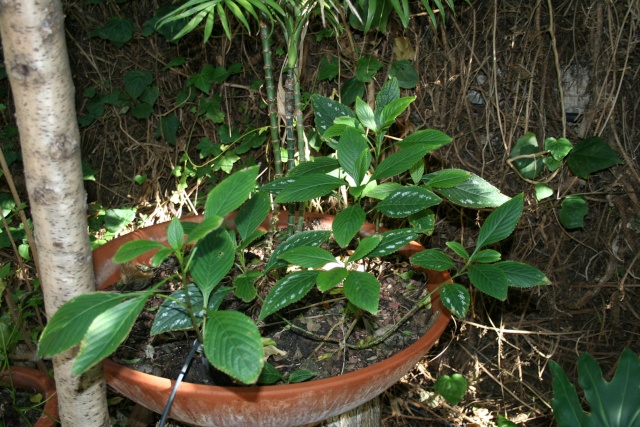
[
  {"x": 32, "y": 379},
  {"x": 387, "y": 180}
]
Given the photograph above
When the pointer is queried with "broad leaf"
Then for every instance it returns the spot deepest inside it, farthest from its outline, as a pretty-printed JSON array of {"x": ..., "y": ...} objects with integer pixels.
[
  {"x": 500, "y": 223},
  {"x": 366, "y": 68},
  {"x": 400, "y": 161},
  {"x": 198, "y": 231},
  {"x": 362, "y": 290},
  {"x": 212, "y": 261},
  {"x": 132, "y": 250},
  {"x": 391, "y": 111},
  {"x": 381, "y": 191},
  {"x": 521, "y": 275},
  {"x": 305, "y": 238},
  {"x": 108, "y": 330},
  {"x": 365, "y": 247},
  {"x": 424, "y": 221},
  {"x": 327, "y": 110},
  {"x": 591, "y": 155},
  {"x": 456, "y": 298},
  {"x": 347, "y": 223},
  {"x": 136, "y": 81},
  {"x": 279, "y": 184},
  {"x": 542, "y": 191},
  {"x": 485, "y": 256},
  {"x": 288, "y": 290},
  {"x": 460, "y": 250},
  {"x": 175, "y": 234},
  {"x": 309, "y": 187},
  {"x": 269, "y": 375},
  {"x": 446, "y": 178},
  {"x": 406, "y": 201},
  {"x": 233, "y": 345},
  {"x": 475, "y": 193},
  {"x": 230, "y": 193},
  {"x": 365, "y": 115},
  {"x": 558, "y": 148},
  {"x": 389, "y": 92},
  {"x": 300, "y": 375},
  {"x": 352, "y": 144},
  {"x": 567, "y": 409},
  {"x": 572, "y": 211},
  {"x": 69, "y": 324},
  {"x": 405, "y": 73},
  {"x": 244, "y": 285},
  {"x": 527, "y": 145},
  {"x": 433, "y": 259},
  {"x": 252, "y": 213},
  {"x": 308, "y": 257},
  {"x": 314, "y": 166},
  {"x": 393, "y": 240},
  {"x": 331, "y": 278},
  {"x": 431, "y": 138},
  {"x": 490, "y": 280},
  {"x": 452, "y": 388}
]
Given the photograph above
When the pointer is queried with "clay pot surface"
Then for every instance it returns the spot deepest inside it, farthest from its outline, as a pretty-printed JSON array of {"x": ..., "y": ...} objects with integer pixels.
[
  {"x": 33, "y": 379},
  {"x": 277, "y": 405}
]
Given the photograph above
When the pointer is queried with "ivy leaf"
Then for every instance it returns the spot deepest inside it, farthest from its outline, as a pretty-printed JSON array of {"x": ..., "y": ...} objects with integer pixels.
[
  {"x": 347, "y": 223},
  {"x": 362, "y": 290},
  {"x": 456, "y": 298},
  {"x": 531, "y": 167},
  {"x": 117, "y": 30},
  {"x": 591, "y": 155},
  {"x": 452, "y": 388},
  {"x": 572, "y": 211},
  {"x": 366, "y": 68},
  {"x": 405, "y": 73},
  {"x": 501, "y": 222},
  {"x": 490, "y": 280},
  {"x": 288, "y": 290},
  {"x": 558, "y": 148},
  {"x": 136, "y": 81}
]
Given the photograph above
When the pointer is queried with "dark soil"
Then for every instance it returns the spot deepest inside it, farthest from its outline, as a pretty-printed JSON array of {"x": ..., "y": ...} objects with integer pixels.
[{"x": 19, "y": 410}]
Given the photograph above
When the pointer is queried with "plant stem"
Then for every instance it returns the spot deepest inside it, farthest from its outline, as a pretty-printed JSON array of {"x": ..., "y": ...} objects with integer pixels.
[{"x": 271, "y": 97}]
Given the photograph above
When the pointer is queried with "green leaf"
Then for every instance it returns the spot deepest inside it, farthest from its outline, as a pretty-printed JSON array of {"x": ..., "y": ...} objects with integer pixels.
[
  {"x": 591, "y": 155},
  {"x": 452, "y": 388},
  {"x": 136, "y": 82},
  {"x": 168, "y": 128},
  {"x": 400, "y": 161},
  {"x": 567, "y": 409},
  {"x": 417, "y": 171},
  {"x": 389, "y": 92},
  {"x": 244, "y": 284},
  {"x": 406, "y": 201},
  {"x": 116, "y": 219},
  {"x": 365, "y": 115},
  {"x": 558, "y": 148},
  {"x": 314, "y": 166},
  {"x": 308, "y": 187},
  {"x": 132, "y": 250},
  {"x": 288, "y": 290},
  {"x": 347, "y": 223},
  {"x": 431, "y": 138},
  {"x": 351, "y": 146},
  {"x": 460, "y": 250},
  {"x": 572, "y": 212},
  {"x": 117, "y": 30},
  {"x": 388, "y": 115},
  {"x": 232, "y": 344},
  {"x": 381, "y": 191},
  {"x": 456, "y": 298},
  {"x": 393, "y": 240},
  {"x": 365, "y": 247},
  {"x": 107, "y": 331},
  {"x": 486, "y": 256},
  {"x": 405, "y": 73},
  {"x": 175, "y": 234},
  {"x": 501, "y": 222},
  {"x": 300, "y": 375},
  {"x": 328, "y": 68},
  {"x": 542, "y": 191},
  {"x": 490, "y": 280},
  {"x": 503, "y": 421},
  {"x": 366, "y": 68},
  {"x": 351, "y": 90},
  {"x": 213, "y": 259},
  {"x": 205, "y": 227},
  {"x": 331, "y": 278},
  {"x": 424, "y": 221},
  {"x": 433, "y": 259},
  {"x": 269, "y": 375},
  {"x": 68, "y": 325},
  {"x": 142, "y": 111},
  {"x": 362, "y": 290},
  {"x": 252, "y": 213},
  {"x": 160, "y": 256},
  {"x": 531, "y": 167},
  {"x": 446, "y": 178},
  {"x": 305, "y": 238},
  {"x": 521, "y": 275},
  {"x": 327, "y": 110},
  {"x": 173, "y": 314},
  {"x": 230, "y": 193},
  {"x": 474, "y": 193},
  {"x": 308, "y": 257}
]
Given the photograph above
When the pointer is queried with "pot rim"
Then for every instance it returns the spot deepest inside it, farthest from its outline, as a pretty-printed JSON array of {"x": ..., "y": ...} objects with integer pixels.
[{"x": 28, "y": 378}]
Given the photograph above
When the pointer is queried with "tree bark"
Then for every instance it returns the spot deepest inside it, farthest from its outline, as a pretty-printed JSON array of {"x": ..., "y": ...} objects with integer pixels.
[{"x": 38, "y": 68}]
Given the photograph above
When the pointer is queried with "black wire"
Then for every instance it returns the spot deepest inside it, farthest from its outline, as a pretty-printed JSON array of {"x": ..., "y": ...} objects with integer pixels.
[{"x": 181, "y": 375}]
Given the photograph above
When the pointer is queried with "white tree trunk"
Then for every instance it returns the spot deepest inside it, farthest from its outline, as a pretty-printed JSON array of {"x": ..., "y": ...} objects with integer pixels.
[{"x": 37, "y": 64}]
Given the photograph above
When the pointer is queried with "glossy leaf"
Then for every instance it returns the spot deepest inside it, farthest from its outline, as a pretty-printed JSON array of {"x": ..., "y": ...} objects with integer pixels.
[
  {"x": 305, "y": 238},
  {"x": 572, "y": 211},
  {"x": 366, "y": 68},
  {"x": 456, "y": 298},
  {"x": 558, "y": 148},
  {"x": 521, "y": 275},
  {"x": 381, "y": 191},
  {"x": 314, "y": 166},
  {"x": 432, "y": 259},
  {"x": 431, "y": 138},
  {"x": 591, "y": 155},
  {"x": 406, "y": 201},
  {"x": 475, "y": 193},
  {"x": 288, "y": 290},
  {"x": 252, "y": 213},
  {"x": 365, "y": 247},
  {"x": 446, "y": 178},
  {"x": 362, "y": 290},
  {"x": 460, "y": 250},
  {"x": 233, "y": 345},
  {"x": 529, "y": 167},
  {"x": 451, "y": 387},
  {"x": 501, "y": 222},
  {"x": 200, "y": 230},
  {"x": 309, "y": 187},
  {"x": 132, "y": 250},
  {"x": 351, "y": 146},
  {"x": 212, "y": 261},
  {"x": 68, "y": 325},
  {"x": 365, "y": 115},
  {"x": 331, "y": 278},
  {"x": 107, "y": 331},
  {"x": 393, "y": 240},
  {"x": 230, "y": 193},
  {"x": 400, "y": 161},
  {"x": 269, "y": 375},
  {"x": 543, "y": 191},
  {"x": 308, "y": 257},
  {"x": 490, "y": 280},
  {"x": 347, "y": 223}
]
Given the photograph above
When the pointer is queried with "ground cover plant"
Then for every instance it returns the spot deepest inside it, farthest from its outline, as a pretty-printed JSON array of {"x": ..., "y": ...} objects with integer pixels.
[{"x": 499, "y": 52}]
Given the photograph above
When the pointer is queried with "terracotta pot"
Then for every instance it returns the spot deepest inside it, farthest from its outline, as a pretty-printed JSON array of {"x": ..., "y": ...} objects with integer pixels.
[
  {"x": 32, "y": 379},
  {"x": 279, "y": 405}
]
